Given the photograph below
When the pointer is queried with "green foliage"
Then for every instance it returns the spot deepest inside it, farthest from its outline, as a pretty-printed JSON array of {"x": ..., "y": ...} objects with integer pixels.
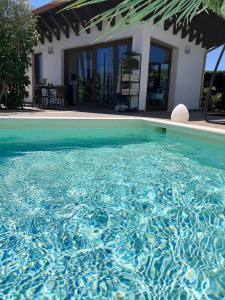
[
  {"x": 216, "y": 5},
  {"x": 157, "y": 10},
  {"x": 219, "y": 87},
  {"x": 215, "y": 103},
  {"x": 17, "y": 36},
  {"x": 219, "y": 74}
]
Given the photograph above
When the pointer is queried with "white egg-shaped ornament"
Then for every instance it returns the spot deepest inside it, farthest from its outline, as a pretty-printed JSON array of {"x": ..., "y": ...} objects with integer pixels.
[{"x": 180, "y": 114}]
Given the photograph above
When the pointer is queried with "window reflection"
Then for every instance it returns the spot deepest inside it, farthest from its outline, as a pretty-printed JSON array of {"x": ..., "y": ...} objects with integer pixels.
[
  {"x": 108, "y": 69},
  {"x": 104, "y": 75},
  {"x": 84, "y": 77},
  {"x": 94, "y": 74},
  {"x": 158, "y": 78}
]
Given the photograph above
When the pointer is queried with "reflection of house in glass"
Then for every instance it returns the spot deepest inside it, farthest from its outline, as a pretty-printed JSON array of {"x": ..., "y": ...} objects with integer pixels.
[
  {"x": 96, "y": 71},
  {"x": 90, "y": 70},
  {"x": 158, "y": 78}
]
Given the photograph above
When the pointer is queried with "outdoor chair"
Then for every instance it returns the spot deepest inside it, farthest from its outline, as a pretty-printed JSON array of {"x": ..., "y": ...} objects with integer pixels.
[
  {"x": 58, "y": 97},
  {"x": 37, "y": 100},
  {"x": 44, "y": 98},
  {"x": 52, "y": 98}
]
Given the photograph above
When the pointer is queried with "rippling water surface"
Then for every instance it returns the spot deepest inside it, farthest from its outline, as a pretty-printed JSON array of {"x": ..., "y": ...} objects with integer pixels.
[{"x": 137, "y": 216}]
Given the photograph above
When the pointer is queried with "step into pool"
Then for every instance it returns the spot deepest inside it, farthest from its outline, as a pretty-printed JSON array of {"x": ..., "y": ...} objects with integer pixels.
[{"x": 111, "y": 209}]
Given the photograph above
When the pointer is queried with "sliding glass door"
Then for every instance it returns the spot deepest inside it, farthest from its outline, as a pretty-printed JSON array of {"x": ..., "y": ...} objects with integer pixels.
[
  {"x": 158, "y": 77},
  {"x": 84, "y": 76},
  {"x": 104, "y": 75},
  {"x": 93, "y": 73},
  {"x": 79, "y": 76},
  {"x": 108, "y": 67}
]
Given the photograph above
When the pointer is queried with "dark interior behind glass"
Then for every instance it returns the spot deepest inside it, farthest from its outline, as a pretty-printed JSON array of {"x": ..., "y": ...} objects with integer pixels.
[{"x": 158, "y": 77}]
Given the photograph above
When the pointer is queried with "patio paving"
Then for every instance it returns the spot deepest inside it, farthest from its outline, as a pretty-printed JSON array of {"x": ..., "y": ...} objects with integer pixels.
[{"x": 196, "y": 118}]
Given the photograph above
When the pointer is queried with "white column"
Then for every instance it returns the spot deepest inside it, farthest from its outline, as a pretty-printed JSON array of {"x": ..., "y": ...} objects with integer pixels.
[
  {"x": 141, "y": 44},
  {"x": 173, "y": 78},
  {"x": 189, "y": 76}
]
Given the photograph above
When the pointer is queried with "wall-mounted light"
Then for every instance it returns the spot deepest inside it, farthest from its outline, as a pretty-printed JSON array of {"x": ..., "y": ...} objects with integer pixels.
[
  {"x": 50, "y": 50},
  {"x": 187, "y": 49}
]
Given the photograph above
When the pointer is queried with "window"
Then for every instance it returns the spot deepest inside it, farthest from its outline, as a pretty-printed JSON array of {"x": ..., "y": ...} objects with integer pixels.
[
  {"x": 158, "y": 77},
  {"x": 38, "y": 69}
]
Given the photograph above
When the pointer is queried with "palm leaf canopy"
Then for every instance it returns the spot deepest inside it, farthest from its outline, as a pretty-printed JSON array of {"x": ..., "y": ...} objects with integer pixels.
[{"x": 138, "y": 11}]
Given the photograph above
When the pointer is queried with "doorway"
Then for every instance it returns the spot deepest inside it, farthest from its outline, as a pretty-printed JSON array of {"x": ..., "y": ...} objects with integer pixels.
[
  {"x": 158, "y": 77},
  {"x": 38, "y": 69},
  {"x": 92, "y": 73}
]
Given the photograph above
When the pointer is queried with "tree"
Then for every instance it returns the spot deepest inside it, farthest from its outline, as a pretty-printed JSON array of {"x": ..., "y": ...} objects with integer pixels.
[
  {"x": 138, "y": 11},
  {"x": 17, "y": 38}
]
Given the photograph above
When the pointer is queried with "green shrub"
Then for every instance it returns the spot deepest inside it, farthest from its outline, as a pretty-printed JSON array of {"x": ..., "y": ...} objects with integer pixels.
[
  {"x": 215, "y": 103},
  {"x": 17, "y": 36}
]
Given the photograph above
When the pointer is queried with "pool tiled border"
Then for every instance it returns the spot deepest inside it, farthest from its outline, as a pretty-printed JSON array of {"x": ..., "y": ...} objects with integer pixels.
[{"x": 154, "y": 121}]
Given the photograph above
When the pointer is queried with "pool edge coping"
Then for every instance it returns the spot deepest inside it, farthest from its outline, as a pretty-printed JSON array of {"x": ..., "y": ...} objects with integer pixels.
[{"x": 156, "y": 121}]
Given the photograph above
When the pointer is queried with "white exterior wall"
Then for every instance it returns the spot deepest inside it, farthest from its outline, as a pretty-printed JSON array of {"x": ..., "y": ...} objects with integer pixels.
[{"x": 186, "y": 69}]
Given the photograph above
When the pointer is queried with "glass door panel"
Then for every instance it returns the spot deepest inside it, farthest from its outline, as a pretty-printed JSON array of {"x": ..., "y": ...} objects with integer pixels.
[
  {"x": 108, "y": 69},
  {"x": 104, "y": 75},
  {"x": 38, "y": 69},
  {"x": 158, "y": 78},
  {"x": 84, "y": 74},
  {"x": 80, "y": 76},
  {"x": 94, "y": 74}
]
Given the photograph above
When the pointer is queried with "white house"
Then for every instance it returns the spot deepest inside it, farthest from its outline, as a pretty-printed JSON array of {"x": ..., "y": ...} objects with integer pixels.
[{"x": 90, "y": 67}]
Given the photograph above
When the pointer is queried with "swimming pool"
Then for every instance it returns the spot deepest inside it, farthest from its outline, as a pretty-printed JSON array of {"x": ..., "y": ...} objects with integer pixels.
[{"x": 120, "y": 209}]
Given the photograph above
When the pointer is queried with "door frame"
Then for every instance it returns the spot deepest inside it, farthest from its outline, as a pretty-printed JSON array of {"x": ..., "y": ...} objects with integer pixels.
[
  {"x": 159, "y": 44},
  {"x": 94, "y": 49},
  {"x": 34, "y": 66}
]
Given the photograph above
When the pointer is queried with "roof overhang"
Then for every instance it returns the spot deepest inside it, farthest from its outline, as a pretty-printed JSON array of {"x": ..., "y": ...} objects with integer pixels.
[{"x": 206, "y": 29}]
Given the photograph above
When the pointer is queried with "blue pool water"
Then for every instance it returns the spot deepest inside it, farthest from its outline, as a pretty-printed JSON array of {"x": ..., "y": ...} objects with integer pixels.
[{"x": 110, "y": 210}]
